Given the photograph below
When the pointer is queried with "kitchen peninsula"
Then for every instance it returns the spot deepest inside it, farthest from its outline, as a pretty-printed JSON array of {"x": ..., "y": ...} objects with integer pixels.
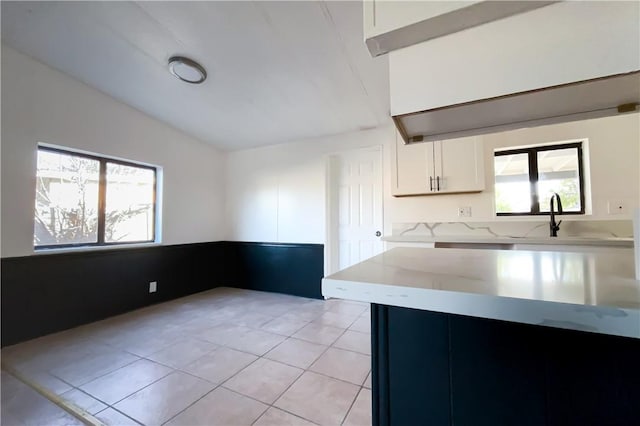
[{"x": 491, "y": 337}]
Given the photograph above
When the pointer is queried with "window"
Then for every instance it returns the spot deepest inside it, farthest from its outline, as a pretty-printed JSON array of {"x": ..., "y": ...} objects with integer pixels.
[
  {"x": 526, "y": 178},
  {"x": 86, "y": 200}
]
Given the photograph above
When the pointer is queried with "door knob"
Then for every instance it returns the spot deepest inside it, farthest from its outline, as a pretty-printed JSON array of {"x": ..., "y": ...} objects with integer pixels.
[{"x": 378, "y": 233}]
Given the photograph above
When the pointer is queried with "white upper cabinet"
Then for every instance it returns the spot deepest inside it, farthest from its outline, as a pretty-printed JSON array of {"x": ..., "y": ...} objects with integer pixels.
[
  {"x": 394, "y": 24},
  {"x": 459, "y": 165},
  {"x": 551, "y": 46},
  {"x": 411, "y": 173},
  {"x": 438, "y": 167}
]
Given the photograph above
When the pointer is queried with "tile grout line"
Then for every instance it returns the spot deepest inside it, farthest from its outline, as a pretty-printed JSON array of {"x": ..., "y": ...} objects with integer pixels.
[
  {"x": 97, "y": 377},
  {"x": 120, "y": 412},
  {"x": 77, "y": 412},
  {"x": 315, "y": 319},
  {"x": 112, "y": 406},
  {"x": 288, "y": 412},
  {"x": 180, "y": 369},
  {"x": 77, "y": 387},
  {"x": 216, "y": 386},
  {"x": 259, "y": 357},
  {"x": 221, "y": 385},
  {"x": 50, "y": 372},
  {"x": 74, "y": 387},
  {"x": 344, "y": 330},
  {"x": 324, "y": 375},
  {"x": 136, "y": 391},
  {"x": 335, "y": 378},
  {"x": 346, "y": 415},
  {"x": 190, "y": 405},
  {"x": 271, "y": 405},
  {"x": 174, "y": 370}
]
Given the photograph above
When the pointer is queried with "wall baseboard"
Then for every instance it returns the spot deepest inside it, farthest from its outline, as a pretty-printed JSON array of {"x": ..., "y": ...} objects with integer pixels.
[{"x": 43, "y": 294}]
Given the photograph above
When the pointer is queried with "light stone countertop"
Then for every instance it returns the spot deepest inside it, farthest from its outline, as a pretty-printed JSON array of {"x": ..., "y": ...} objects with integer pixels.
[
  {"x": 569, "y": 241},
  {"x": 593, "y": 292}
]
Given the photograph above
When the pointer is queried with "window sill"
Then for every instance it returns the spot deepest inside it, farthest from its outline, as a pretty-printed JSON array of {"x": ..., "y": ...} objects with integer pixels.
[{"x": 46, "y": 251}]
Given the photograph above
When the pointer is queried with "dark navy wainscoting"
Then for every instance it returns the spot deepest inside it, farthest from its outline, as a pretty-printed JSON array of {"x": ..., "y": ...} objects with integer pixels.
[
  {"x": 42, "y": 294},
  {"x": 441, "y": 369},
  {"x": 295, "y": 269}
]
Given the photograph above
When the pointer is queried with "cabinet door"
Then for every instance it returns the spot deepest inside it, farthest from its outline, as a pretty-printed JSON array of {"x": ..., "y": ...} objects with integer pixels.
[
  {"x": 497, "y": 371},
  {"x": 410, "y": 168},
  {"x": 501, "y": 55},
  {"x": 385, "y": 16},
  {"x": 410, "y": 367},
  {"x": 459, "y": 165},
  {"x": 394, "y": 24}
]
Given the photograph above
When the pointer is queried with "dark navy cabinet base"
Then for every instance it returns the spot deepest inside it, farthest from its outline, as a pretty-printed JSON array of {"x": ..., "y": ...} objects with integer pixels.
[{"x": 440, "y": 369}]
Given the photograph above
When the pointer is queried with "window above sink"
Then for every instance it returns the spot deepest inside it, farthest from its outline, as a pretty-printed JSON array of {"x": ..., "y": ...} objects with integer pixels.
[{"x": 526, "y": 178}]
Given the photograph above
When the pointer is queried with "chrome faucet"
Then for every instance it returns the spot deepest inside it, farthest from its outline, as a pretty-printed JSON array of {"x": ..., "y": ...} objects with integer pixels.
[{"x": 553, "y": 226}]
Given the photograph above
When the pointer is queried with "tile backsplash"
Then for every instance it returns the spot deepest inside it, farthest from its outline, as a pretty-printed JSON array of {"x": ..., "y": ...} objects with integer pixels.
[{"x": 517, "y": 229}]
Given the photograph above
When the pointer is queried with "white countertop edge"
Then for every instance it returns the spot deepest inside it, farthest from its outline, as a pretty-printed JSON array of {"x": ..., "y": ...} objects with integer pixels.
[
  {"x": 595, "y": 319},
  {"x": 568, "y": 241}
]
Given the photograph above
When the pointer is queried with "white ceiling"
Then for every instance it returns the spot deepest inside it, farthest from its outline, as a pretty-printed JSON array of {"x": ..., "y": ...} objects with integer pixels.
[{"x": 277, "y": 71}]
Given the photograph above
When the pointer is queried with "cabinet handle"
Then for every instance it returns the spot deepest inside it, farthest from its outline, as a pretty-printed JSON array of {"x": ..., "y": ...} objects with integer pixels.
[
  {"x": 430, "y": 183},
  {"x": 438, "y": 182}
]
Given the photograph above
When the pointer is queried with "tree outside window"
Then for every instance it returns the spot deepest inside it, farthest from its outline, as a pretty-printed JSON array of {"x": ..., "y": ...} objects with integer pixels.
[{"x": 84, "y": 200}]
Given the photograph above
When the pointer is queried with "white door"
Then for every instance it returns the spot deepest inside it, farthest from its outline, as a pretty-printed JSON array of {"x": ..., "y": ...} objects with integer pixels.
[{"x": 359, "y": 190}]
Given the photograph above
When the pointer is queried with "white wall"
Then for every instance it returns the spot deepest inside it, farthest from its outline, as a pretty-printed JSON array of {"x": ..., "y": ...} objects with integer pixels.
[
  {"x": 274, "y": 194},
  {"x": 40, "y": 104},
  {"x": 277, "y": 193}
]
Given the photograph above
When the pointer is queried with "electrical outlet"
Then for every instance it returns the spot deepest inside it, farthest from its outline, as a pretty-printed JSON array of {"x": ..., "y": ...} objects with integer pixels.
[
  {"x": 617, "y": 207},
  {"x": 464, "y": 211},
  {"x": 153, "y": 286}
]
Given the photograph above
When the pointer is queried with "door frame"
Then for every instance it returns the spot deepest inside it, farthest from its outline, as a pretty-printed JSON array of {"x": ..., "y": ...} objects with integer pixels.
[{"x": 331, "y": 247}]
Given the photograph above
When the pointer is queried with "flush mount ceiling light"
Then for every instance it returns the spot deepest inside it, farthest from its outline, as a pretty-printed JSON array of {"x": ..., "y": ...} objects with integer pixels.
[{"x": 187, "y": 70}]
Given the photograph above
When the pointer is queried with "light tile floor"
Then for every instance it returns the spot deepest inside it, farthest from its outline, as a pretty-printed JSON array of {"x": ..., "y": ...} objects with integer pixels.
[
  {"x": 222, "y": 357},
  {"x": 21, "y": 403}
]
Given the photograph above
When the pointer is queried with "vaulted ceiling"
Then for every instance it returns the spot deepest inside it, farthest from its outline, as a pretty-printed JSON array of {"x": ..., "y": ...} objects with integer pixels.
[{"x": 278, "y": 71}]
